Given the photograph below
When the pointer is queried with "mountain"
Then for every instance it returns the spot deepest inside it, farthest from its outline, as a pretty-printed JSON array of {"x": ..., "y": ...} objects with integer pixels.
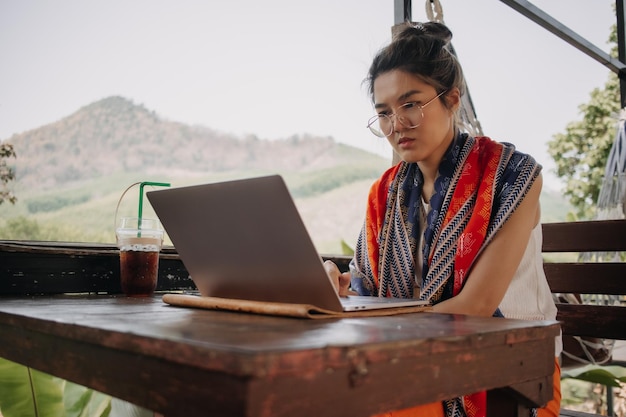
[
  {"x": 116, "y": 135},
  {"x": 71, "y": 174}
]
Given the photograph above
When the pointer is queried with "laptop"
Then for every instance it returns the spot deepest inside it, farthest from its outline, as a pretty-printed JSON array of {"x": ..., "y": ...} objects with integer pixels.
[{"x": 245, "y": 239}]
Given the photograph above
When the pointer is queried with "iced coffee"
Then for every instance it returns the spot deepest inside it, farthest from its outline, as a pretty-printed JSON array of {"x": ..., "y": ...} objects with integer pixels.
[{"x": 139, "y": 242}]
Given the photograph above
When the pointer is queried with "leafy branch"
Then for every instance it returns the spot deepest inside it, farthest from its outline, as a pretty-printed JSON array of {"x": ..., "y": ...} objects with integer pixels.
[{"x": 7, "y": 173}]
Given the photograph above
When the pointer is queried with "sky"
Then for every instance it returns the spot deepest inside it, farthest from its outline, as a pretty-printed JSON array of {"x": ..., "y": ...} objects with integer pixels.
[{"x": 276, "y": 68}]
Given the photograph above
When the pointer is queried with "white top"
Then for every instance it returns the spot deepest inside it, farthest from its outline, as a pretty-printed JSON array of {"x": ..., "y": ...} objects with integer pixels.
[{"x": 528, "y": 296}]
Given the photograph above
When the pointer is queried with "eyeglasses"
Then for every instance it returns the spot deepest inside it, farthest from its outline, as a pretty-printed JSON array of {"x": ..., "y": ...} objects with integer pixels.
[{"x": 409, "y": 115}]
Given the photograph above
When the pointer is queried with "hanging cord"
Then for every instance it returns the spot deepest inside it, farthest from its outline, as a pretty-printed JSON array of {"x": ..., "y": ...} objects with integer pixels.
[
  {"x": 434, "y": 11},
  {"x": 140, "y": 209},
  {"x": 594, "y": 351},
  {"x": 467, "y": 112},
  {"x": 120, "y": 201}
]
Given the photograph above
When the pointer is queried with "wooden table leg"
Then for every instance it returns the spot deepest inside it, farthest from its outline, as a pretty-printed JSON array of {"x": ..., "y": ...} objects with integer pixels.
[
  {"x": 519, "y": 400},
  {"x": 501, "y": 403}
]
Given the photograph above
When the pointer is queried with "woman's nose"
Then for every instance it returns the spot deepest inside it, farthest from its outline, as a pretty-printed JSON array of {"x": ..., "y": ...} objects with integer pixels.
[{"x": 396, "y": 124}]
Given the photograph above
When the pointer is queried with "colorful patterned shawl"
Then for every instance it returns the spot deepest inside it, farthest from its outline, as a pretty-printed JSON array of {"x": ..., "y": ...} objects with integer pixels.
[{"x": 480, "y": 183}]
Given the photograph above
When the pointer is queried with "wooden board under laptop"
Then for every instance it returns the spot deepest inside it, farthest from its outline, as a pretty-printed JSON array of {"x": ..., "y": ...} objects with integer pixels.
[{"x": 280, "y": 309}]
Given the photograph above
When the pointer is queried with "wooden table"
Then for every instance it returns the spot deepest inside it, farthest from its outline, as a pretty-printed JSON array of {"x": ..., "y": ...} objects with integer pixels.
[{"x": 189, "y": 362}]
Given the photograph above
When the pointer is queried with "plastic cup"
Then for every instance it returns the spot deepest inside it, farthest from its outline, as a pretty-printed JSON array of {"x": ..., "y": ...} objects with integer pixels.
[{"x": 139, "y": 242}]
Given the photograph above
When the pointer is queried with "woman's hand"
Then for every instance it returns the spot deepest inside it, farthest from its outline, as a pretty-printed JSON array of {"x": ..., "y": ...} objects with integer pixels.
[{"x": 340, "y": 281}]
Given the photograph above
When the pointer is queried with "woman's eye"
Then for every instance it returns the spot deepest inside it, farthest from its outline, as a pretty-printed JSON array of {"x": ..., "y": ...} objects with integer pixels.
[{"x": 410, "y": 105}]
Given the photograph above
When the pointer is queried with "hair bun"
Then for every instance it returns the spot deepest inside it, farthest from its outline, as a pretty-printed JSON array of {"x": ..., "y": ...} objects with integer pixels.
[{"x": 431, "y": 29}]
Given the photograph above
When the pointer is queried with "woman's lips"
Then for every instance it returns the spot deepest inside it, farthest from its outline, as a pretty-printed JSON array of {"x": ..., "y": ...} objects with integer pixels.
[{"x": 405, "y": 142}]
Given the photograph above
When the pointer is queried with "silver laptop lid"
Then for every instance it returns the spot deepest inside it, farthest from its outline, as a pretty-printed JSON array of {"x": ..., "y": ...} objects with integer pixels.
[{"x": 245, "y": 239}]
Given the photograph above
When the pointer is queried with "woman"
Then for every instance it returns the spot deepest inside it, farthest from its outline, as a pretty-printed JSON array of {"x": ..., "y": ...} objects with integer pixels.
[{"x": 457, "y": 221}]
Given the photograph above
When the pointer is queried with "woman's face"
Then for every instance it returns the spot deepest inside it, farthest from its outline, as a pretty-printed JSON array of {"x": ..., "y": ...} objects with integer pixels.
[{"x": 427, "y": 142}]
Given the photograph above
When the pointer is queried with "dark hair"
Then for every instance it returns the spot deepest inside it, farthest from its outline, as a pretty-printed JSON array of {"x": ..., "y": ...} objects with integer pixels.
[{"x": 424, "y": 50}]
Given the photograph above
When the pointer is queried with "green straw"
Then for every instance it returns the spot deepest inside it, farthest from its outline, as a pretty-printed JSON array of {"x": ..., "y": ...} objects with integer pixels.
[{"x": 140, "y": 211}]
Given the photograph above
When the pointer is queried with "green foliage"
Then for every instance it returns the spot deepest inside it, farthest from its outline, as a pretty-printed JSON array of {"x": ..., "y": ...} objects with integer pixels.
[
  {"x": 23, "y": 228},
  {"x": 346, "y": 249},
  {"x": 27, "y": 392},
  {"x": 54, "y": 202},
  {"x": 581, "y": 152},
  {"x": 84, "y": 402},
  {"x": 7, "y": 173},
  {"x": 600, "y": 374},
  {"x": 316, "y": 183},
  {"x": 582, "y": 395}
]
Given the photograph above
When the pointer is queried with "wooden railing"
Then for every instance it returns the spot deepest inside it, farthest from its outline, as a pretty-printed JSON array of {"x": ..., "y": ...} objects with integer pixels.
[{"x": 44, "y": 268}]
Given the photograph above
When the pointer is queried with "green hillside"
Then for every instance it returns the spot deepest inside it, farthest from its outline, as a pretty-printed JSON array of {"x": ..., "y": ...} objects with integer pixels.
[{"x": 86, "y": 211}]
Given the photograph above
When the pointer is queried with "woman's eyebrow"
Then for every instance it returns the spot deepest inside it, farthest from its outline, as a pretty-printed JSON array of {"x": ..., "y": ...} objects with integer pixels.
[
  {"x": 402, "y": 97},
  {"x": 408, "y": 94}
]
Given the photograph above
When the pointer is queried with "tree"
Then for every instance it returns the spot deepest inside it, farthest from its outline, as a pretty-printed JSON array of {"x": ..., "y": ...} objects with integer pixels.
[
  {"x": 581, "y": 152},
  {"x": 7, "y": 173}
]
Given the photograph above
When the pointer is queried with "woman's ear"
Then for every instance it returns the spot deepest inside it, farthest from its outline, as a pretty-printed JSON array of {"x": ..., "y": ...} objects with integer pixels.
[{"x": 453, "y": 98}]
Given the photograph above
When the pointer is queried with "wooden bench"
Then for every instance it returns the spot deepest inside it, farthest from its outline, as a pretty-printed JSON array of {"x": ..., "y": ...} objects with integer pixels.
[{"x": 587, "y": 277}]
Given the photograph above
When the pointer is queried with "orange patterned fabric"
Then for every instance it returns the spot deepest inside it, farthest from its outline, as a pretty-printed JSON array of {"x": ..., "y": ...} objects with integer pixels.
[
  {"x": 553, "y": 408},
  {"x": 477, "y": 178},
  {"x": 426, "y": 410}
]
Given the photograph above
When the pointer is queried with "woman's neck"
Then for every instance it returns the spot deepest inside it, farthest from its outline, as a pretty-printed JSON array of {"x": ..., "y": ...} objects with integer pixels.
[{"x": 430, "y": 167}]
